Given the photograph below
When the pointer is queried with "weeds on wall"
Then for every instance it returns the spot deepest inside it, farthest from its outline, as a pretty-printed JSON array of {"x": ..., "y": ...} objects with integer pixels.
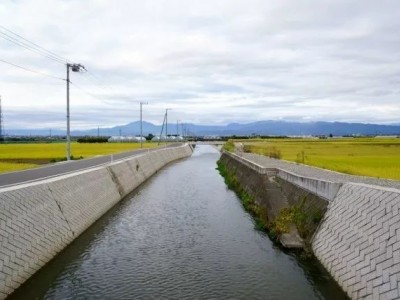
[
  {"x": 229, "y": 146},
  {"x": 297, "y": 215},
  {"x": 248, "y": 200}
]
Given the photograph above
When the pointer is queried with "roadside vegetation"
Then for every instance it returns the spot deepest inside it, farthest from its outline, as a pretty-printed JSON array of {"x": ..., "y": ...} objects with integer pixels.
[
  {"x": 229, "y": 146},
  {"x": 15, "y": 157},
  {"x": 376, "y": 157}
]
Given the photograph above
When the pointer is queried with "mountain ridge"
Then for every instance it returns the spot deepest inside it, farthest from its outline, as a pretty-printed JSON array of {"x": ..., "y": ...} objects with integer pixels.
[{"x": 268, "y": 127}]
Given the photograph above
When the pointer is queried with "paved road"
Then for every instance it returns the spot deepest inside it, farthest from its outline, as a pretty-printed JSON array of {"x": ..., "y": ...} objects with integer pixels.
[{"x": 65, "y": 167}]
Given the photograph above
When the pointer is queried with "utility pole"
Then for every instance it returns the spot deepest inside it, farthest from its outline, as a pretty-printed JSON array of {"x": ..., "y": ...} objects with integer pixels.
[
  {"x": 141, "y": 124},
  {"x": 74, "y": 68},
  {"x": 177, "y": 128},
  {"x": 162, "y": 129},
  {"x": 1, "y": 122},
  {"x": 166, "y": 123},
  {"x": 98, "y": 131}
]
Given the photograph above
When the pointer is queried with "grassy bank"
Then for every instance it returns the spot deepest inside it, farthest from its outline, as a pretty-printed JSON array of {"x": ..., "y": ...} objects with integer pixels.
[
  {"x": 261, "y": 221},
  {"x": 376, "y": 157},
  {"x": 305, "y": 219},
  {"x": 15, "y": 157}
]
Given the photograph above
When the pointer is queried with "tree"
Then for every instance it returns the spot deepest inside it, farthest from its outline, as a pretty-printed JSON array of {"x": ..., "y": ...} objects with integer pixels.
[{"x": 149, "y": 137}]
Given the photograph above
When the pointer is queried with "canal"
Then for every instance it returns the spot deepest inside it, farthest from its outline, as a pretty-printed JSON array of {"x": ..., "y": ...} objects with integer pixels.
[{"x": 181, "y": 235}]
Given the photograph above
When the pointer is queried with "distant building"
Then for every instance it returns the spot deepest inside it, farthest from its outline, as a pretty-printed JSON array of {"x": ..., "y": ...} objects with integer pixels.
[
  {"x": 387, "y": 136},
  {"x": 126, "y": 139}
]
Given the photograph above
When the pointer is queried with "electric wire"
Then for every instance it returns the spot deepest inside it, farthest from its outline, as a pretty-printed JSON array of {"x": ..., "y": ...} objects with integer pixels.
[
  {"x": 23, "y": 42},
  {"x": 89, "y": 93},
  {"x": 30, "y": 70},
  {"x": 94, "y": 96},
  {"x": 105, "y": 88},
  {"x": 25, "y": 39},
  {"x": 97, "y": 80},
  {"x": 29, "y": 45}
]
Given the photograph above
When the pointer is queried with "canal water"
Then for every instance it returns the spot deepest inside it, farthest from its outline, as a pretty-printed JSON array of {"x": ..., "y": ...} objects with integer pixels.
[{"x": 182, "y": 235}]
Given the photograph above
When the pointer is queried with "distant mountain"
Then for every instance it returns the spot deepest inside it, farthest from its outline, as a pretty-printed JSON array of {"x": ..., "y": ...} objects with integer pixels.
[{"x": 255, "y": 128}]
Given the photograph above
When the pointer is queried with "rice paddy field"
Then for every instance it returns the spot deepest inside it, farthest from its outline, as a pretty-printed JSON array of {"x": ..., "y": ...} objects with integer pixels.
[
  {"x": 375, "y": 157},
  {"x": 14, "y": 157}
]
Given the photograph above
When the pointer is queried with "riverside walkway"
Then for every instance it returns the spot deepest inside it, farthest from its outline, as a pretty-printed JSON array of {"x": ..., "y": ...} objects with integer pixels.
[{"x": 318, "y": 173}]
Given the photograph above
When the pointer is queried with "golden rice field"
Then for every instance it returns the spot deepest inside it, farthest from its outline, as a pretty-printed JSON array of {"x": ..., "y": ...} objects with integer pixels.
[
  {"x": 376, "y": 157},
  {"x": 15, "y": 157}
]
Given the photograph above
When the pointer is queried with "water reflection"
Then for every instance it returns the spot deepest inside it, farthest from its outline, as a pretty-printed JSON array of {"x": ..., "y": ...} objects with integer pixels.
[{"x": 183, "y": 234}]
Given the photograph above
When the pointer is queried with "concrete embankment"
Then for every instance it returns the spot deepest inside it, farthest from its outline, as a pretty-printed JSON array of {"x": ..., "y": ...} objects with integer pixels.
[
  {"x": 358, "y": 238},
  {"x": 289, "y": 213},
  {"x": 38, "y": 220}
]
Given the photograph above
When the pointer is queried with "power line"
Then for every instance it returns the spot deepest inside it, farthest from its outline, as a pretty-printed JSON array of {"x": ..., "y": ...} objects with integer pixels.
[
  {"x": 103, "y": 87},
  {"x": 23, "y": 42},
  {"x": 29, "y": 45},
  {"x": 50, "y": 52},
  {"x": 99, "y": 82},
  {"x": 30, "y": 70},
  {"x": 1, "y": 122},
  {"x": 89, "y": 93},
  {"x": 92, "y": 95}
]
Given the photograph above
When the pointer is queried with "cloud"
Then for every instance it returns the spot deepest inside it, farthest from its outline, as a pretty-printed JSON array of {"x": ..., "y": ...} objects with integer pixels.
[{"x": 212, "y": 62}]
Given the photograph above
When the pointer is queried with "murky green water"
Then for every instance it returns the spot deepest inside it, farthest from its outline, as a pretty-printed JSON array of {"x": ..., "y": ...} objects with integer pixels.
[{"x": 182, "y": 235}]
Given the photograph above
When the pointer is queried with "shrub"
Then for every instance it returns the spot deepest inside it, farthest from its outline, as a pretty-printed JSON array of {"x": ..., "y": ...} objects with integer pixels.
[
  {"x": 229, "y": 146},
  {"x": 93, "y": 139}
]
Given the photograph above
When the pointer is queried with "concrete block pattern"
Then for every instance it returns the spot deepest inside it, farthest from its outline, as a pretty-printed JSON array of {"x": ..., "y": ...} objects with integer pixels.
[
  {"x": 32, "y": 231},
  {"x": 84, "y": 198},
  {"x": 358, "y": 241},
  {"x": 39, "y": 219}
]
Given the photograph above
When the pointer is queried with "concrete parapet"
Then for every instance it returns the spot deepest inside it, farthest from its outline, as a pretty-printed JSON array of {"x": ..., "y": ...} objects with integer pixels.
[
  {"x": 321, "y": 188},
  {"x": 256, "y": 167},
  {"x": 39, "y": 219}
]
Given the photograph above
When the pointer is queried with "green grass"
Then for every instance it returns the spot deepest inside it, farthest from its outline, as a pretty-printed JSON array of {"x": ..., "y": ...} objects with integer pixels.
[
  {"x": 15, "y": 157},
  {"x": 229, "y": 146},
  {"x": 376, "y": 157},
  {"x": 9, "y": 167},
  {"x": 246, "y": 198}
]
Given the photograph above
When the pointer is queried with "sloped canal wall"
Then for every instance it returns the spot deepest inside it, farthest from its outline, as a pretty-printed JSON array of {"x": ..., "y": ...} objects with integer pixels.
[
  {"x": 352, "y": 228},
  {"x": 38, "y": 220}
]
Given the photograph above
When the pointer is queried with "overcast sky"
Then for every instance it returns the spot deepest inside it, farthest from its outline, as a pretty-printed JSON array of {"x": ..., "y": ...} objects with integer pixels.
[{"x": 212, "y": 62}]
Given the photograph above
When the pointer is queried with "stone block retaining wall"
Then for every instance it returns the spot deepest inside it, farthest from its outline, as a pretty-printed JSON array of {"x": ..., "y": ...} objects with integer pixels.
[
  {"x": 39, "y": 219},
  {"x": 358, "y": 240}
]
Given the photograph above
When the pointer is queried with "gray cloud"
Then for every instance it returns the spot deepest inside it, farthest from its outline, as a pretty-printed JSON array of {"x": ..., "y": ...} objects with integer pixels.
[{"x": 211, "y": 62}]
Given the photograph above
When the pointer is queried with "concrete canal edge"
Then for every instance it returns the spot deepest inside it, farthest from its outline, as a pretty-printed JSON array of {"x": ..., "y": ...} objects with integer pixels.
[
  {"x": 357, "y": 234},
  {"x": 39, "y": 219}
]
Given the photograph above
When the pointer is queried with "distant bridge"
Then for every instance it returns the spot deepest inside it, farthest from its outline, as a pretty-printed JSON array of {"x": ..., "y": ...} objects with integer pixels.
[{"x": 215, "y": 143}]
